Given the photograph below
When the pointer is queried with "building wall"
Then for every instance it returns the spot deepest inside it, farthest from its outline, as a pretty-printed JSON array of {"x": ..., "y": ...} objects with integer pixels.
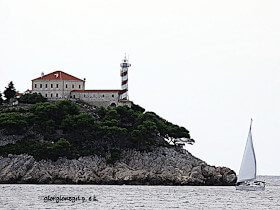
[
  {"x": 98, "y": 98},
  {"x": 124, "y": 103},
  {"x": 56, "y": 89},
  {"x": 64, "y": 89}
]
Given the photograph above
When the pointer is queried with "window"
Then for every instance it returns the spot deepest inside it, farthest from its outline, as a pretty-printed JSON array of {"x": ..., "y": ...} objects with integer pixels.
[
  {"x": 66, "y": 86},
  {"x": 56, "y": 85},
  {"x": 56, "y": 95},
  {"x": 35, "y": 85},
  {"x": 46, "y": 85},
  {"x": 79, "y": 86},
  {"x": 41, "y": 85},
  {"x": 51, "y": 95},
  {"x": 51, "y": 85},
  {"x": 72, "y": 86},
  {"x": 46, "y": 95}
]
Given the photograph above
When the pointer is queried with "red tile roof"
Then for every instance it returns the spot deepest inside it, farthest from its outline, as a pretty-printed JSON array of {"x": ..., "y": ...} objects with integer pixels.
[
  {"x": 96, "y": 91},
  {"x": 58, "y": 75},
  {"x": 19, "y": 94}
]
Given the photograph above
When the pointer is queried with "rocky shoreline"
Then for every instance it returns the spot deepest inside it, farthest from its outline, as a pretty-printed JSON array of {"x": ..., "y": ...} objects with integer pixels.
[{"x": 162, "y": 166}]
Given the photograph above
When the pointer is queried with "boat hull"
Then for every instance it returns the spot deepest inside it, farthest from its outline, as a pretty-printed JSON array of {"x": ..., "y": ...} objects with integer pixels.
[{"x": 251, "y": 186}]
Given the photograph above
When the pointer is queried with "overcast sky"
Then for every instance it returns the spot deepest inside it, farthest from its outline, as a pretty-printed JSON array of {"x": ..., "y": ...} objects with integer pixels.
[{"x": 206, "y": 65}]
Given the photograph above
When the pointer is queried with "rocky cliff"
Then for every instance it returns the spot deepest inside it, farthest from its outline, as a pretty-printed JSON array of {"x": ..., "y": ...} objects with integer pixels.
[{"x": 162, "y": 166}]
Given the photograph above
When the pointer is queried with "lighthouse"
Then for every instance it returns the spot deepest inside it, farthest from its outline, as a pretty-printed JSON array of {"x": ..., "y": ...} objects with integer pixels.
[{"x": 124, "y": 77}]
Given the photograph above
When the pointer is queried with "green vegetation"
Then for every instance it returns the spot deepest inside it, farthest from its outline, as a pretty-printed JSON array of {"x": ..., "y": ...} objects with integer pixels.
[
  {"x": 14, "y": 110},
  {"x": 1, "y": 99},
  {"x": 32, "y": 98},
  {"x": 115, "y": 156},
  {"x": 27, "y": 98},
  {"x": 10, "y": 91},
  {"x": 39, "y": 150},
  {"x": 13, "y": 123},
  {"x": 112, "y": 130},
  {"x": 47, "y": 117},
  {"x": 60, "y": 148}
]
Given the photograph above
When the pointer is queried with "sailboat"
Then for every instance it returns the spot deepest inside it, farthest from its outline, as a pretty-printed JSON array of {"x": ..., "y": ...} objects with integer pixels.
[{"x": 247, "y": 173}]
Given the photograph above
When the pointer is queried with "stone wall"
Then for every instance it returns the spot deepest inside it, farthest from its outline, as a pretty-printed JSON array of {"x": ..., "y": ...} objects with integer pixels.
[
  {"x": 56, "y": 89},
  {"x": 124, "y": 103},
  {"x": 90, "y": 96},
  {"x": 100, "y": 98}
]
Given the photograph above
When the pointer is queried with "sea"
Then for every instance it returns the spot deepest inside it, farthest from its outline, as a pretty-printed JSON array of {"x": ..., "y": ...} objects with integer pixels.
[{"x": 31, "y": 196}]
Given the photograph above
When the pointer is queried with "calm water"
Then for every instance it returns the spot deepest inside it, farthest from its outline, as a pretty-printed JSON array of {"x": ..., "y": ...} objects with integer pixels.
[{"x": 138, "y": 197}]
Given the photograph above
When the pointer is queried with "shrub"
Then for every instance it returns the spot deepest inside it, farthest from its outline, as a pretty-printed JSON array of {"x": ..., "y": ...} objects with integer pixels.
[
  {"x": 32, "y": 98},
  {"x": 13, "y": 123},
  {"x": 1, "y": 99},
  {"x": 61, "y": 148},
  {"x": 27, "y": 146},
  {"x": 54, "y": 112},
  {"x": 115, "y": 156},
  {"x": 81, "y": 121},
  {"x": 10, "y": 91}
]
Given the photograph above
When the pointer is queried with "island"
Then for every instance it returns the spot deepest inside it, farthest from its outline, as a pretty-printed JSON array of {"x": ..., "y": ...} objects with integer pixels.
[{"x": 72, "y": 142}]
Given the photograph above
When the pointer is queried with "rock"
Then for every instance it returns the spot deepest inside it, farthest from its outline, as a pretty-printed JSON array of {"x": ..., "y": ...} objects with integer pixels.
[
  {"x": 162, "y": 166},
  {"x": 208, "y": 171},
  {"x": 9, "y": 139}
]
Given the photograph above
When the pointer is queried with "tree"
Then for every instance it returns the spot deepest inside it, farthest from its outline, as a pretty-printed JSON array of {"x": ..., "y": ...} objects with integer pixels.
[
  {"x": 113, "y": 134},
  {"x": 173, "y": 133},
  {"x": 115, "y": 156},
  {"x": 127, "y": 116},
  {"x": 42, "y": 112},
  {"x": 137, "y": 108},
  {"x": 13, "y": 123},
  {"x": 33, "y": 147},
  {"x": 1, "y": 99},
  {"x": 178, "y": 135},
  {"x": 50, "y": 111},
  {"x": 77, "y": 122},
  {"x": 10, "y": 91},
  {"x": 61, "y": 148},
  {"x": 112, "y": 114},
  {"x": 102, "y": 112},
  {"x": 68, "y": 107},
  {"x": 32, "y": 98},
  {"x": 145, "y": 133}
]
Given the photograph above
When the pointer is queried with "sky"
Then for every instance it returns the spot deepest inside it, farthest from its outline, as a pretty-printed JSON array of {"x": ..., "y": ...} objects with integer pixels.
[{"x": 209, "y": 66}]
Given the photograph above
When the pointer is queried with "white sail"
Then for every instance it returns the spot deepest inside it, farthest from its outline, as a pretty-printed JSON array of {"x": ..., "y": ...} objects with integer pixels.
[{"x": 248, "y": 166}]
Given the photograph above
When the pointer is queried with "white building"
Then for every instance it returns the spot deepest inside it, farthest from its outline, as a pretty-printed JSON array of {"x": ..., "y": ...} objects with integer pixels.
[{"x": 59, "y": 85}]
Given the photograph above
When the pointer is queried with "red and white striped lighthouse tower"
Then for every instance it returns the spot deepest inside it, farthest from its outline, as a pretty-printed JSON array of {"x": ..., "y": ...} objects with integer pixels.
[{"x": 124, "y": 76}]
